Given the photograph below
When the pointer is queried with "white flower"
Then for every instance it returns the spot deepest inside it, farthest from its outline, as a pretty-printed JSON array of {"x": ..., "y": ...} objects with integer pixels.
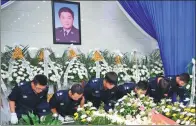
[
  {"x": 89, "y": 119},
  {"x": 10, "y": 78},
  {"x": 90, "y": 104},
  {"x": 128, "y": 104},
  {"x": 138, "y": 116},
  {"x": 117, "y": 104},
  {"x": 17, "y": 81},
  {"x": 27, "y": 79},
  {"x": 187, "y": 99},
  {"x": 178, "y": 110},
  {"x": 83, "y": 116},
  {"x": 174, "y": 108},
  {"x": 188, "y": 86},
  {"x": 79, "y": 109},
  {"x": 178, "y": 121},
  {"x": 15, "y": 74},
  {"x": 168, "y": 100},
  {"x": 142, "y": 113},
  {"x": 92, "y": 108},
  {"x": 183, "y": 122},
  {"x": 181, "y": 105},
  {"x": 166, "y": 110},
  {"x": 122, "y": 110}
]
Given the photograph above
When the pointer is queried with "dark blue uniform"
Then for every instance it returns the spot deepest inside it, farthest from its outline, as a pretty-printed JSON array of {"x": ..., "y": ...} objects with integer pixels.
[
  {"x": 26, "y": 100},
  {"x": 95, "y": 92},
  {"x": 63, "y": 103},
  {"x": 153, "y": 90},
  {"x": 177, "y": 91},
  {"x": 125, "y": 88},
  {"x": 72, "y": 36}
]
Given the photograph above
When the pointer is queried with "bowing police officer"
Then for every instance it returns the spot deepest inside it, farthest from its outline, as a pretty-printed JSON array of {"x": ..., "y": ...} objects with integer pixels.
[
  {"x": 26, "y": 97},
  {"x": 178, "y": 89},
  {"x": 158, "y": 88},
  {"x": 65, "y": 102},
  {"x": 126, "y": 88},
  {"x": 67, "y": 33},
  {"x": 102, "y": 90}
]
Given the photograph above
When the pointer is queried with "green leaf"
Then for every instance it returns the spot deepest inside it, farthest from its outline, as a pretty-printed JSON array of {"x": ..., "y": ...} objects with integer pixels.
[{"x": 26, "y": 119}]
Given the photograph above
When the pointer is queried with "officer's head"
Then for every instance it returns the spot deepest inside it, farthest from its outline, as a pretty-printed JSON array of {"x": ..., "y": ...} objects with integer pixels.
[
  {"x": 182, "y": 79},
  {"x": 76, "y": 92},
  {"x": 66, "y": 16},
  {"x": 163, "y": 87},
  {"x": 39, "y": 83},
  {"x": 110, "y": 80},
  {"x": 141, "y": 87}
]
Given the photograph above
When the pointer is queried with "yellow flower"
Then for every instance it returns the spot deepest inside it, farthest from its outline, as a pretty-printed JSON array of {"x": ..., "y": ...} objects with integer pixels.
[
  {"x": 185, "y": 119},
  {"x": 169, "y": 106},
  {"x": 76, "y": 116},
  {"x": 83, "y": 120},
  {"x": 174, "y": 115},
  {"x": 181, "y": 116},
  {"x": 87, "y": 112},
  {"x": 190, "y": 118},
  {"x": 167, "y": 114},
  {"x": 187, "y": 109},
  {"x": 193, "y": 110}
]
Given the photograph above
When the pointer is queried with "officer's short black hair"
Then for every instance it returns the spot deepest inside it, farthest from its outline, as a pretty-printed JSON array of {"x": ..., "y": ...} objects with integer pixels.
[
  {"x": 112, "y": 78},
  {"x": 184, "y": 77},
  {"x": 164, "y": 85},
  {"x": 66, "y": 9},
  {"x": 77, "y": 88},
  {"x": 143, "y": 85},
  {"x": 41, "y": 79}
]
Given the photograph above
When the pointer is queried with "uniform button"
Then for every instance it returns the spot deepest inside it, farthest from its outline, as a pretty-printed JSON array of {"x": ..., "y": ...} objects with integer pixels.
[{"x": 44, "y": 110}]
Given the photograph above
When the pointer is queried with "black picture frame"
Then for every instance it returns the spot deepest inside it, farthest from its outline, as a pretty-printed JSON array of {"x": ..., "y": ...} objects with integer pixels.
[{"x": 56, "y": 36}]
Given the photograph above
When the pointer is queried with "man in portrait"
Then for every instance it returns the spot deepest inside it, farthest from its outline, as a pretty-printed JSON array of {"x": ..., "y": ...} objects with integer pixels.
[{"x": 67, "y": 33}]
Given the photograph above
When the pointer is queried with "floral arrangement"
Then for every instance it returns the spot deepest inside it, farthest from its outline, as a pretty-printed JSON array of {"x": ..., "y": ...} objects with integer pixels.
[
  {"x": 77, "y": 72},
  {"x": 19, "y": 73},
  {"x": 135, "y": 107},
  {"x": 123, "y": 72},
  {"x": 4, "y": 72},
  {"x": 140, "y": 73},
  {"x": 52, "y": 77},
  {"x": 104, "y": 68},
  {"x": 156, "y": 69},
  {"x": 184, "y": 115}
]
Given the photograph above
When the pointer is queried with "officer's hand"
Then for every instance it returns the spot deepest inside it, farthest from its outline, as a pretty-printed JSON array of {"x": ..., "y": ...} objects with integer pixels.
[
  {"x": 55, "y": 115},
  {"x": 14, "y": 118},
  {"x": 60, "y": 118}
]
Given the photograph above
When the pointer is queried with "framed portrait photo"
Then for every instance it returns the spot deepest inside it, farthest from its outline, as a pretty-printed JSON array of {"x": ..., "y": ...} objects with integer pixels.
[{"x": 66, "y": 22}]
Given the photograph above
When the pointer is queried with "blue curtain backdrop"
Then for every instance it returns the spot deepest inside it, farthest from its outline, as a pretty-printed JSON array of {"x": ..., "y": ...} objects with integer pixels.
[
  {"x": 172, "y": 24},
  {"x": 4, "y": 1}
]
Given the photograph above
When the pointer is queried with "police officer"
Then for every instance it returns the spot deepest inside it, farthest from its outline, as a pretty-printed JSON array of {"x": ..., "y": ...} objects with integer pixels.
[
  {"x": 25, "y": 97},
  {"x": 67, "y": 33},
  {"x": 178, "y": 88},
  {"x": 65, "y": 102},
  {"x": 126, "y": 88},
  {"x": 102, "y": 90},
  {"x": 158, "y": 88}
]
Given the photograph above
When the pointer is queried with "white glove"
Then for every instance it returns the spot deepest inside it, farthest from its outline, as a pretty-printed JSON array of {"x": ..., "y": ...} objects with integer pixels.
[
  {"x": 14, "y": 118},
  {"x": 68, "y": 118},
  {"x": 55, "y": 115},
  {"x": 61, "y": 118}
]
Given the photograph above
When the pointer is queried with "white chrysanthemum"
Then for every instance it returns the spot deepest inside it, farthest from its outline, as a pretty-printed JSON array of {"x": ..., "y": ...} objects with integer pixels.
[
  {"x": 178, "y": 121},
  {"x": 92, "y": 108},
  {"x": 188, "y": 86},
  {"x": 15, "y": 74},
  {"x": 83, "y": 116},
  {"x": 79, "y": 109},
  {"x": 89, "y": 119},
  {"x": 17, "y": 81},
  {"x": 10, "y": 78},
  {"x": 122, "y": 110},
  {"x": 90, "y": 104}
]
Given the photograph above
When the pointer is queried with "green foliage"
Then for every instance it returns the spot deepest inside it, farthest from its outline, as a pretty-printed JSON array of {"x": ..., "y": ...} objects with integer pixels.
[
  {"x": 99, "y": 120},
  {"x": 32, "y": 119}
]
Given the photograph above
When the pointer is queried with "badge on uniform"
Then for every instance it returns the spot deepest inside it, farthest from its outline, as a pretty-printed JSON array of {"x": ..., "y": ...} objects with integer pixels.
[
  {"x": 44, "y": 110},
  {"x": 41, "y": 97},
  {"x": 112, "y": 92},
  {"x": 96, "y": 91},
  {"x": 61, "y": 103},
  {"x": 152, "y": 89},
  {"x": 24, "y": 96}
]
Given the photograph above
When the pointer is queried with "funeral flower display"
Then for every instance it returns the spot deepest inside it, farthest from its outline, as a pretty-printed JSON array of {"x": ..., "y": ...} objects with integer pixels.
[
  {"x": 139, "y": 73},
  {"x": 77, "y": 72},
  {"x": 19, "y": 73},
  {"x": 184, "y": 115},
  {"x": 4, "y": 72},
  {"x": 156, "y": 69}
]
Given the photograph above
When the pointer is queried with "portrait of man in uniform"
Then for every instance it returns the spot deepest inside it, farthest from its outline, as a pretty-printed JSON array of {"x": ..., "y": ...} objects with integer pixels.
[{"x": 66, "y": 22}]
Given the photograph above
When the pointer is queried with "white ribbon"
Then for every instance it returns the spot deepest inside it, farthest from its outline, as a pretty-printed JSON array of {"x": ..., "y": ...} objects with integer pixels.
[
  {"x": 193, "y": 83},
  {"x": 97, "y": 70},
  {"x": 65, "y": 83},
  {"x": 3, "y": 86},
  {"x": 26, "y": 65}
]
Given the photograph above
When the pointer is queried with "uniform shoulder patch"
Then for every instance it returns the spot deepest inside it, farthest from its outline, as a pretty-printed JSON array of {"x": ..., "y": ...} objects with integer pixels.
[
  {"x": 59, "y": 93},
  {"x": 94, "y": 80},
  {"x": 20, "y": 84}
]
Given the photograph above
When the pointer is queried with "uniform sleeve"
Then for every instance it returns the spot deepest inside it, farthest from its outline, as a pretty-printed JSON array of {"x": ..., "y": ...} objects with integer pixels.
[
  {"x": 88, "y": 90},
  {"x": 15, "y": 94},
  {"x": 183, "y": 94},
  {"x": 53, "y": 101}
]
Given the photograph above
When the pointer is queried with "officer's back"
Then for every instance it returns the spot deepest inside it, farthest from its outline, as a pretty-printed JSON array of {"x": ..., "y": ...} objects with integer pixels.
[
  {"x": 101, "y": 90},
  {"x": 125, "y": 88}
]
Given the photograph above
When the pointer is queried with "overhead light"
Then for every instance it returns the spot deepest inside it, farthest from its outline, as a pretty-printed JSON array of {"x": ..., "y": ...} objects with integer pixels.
[
  {"x": 38, "y": 23},
  {"x": 43, "y": 1}
]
